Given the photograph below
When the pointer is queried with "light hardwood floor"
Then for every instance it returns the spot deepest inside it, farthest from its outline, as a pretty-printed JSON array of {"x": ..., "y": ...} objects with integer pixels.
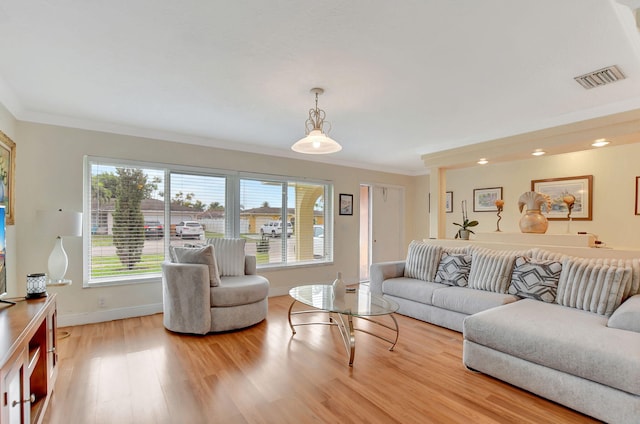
[{"x": 135, "y": 371}]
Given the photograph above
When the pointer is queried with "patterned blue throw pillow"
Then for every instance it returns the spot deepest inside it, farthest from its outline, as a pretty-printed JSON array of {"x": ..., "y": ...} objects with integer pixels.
[
  {"x": 535, "y": 279},
  {"x": 453, "y": 269}
]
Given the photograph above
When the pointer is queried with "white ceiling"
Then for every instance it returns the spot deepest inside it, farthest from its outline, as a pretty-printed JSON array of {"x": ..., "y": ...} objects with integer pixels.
[{"x": 401, "y": 78}]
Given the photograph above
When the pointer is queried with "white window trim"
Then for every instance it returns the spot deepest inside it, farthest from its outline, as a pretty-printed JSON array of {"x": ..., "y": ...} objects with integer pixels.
[{"x": 232, "y": 225}]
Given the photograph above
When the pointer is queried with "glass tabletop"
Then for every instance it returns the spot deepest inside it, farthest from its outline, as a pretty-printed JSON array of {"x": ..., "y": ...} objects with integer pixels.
[{"x": 359, "y": 303}]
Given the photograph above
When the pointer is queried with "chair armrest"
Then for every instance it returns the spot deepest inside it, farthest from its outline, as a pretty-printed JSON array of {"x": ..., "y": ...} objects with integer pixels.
[
  {"x": 383, "y": 271},
  {"x": 250, "y": 265},
  {"x": 186, "y": 295}
]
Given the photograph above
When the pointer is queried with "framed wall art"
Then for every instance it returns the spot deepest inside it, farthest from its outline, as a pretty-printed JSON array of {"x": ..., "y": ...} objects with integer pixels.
[
  {"x": 556, "y": 188},
  {"x": 448, "y": 203},
  {"x": 346, "y": 204},
  {"x": 484, "y": 199},
  {"x": 7, "y": 175},
  {"x": 637, "y": 195}
]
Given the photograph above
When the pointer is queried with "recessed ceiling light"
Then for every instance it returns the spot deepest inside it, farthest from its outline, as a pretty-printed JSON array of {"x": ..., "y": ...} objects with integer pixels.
[
  {"x": 483, "y": 161},
  {"x": 538, "y": 152},
  {"x": 600, "y": 142}
]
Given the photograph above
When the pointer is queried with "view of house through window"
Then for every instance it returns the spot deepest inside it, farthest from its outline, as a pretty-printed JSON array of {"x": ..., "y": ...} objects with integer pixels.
[
  {"x": 288, "y": 217},
  {"x": 136, "y": 212}
]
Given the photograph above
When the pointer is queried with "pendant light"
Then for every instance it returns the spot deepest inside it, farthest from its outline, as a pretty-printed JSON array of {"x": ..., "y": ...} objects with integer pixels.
[{"x": 316, "y": 142}]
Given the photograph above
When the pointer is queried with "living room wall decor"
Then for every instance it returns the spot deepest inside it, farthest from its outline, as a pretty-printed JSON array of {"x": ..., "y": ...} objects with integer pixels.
[
  {"x": 580, "y": 187},
  {"x": 7, "y": 172},
  {"x": 484, "y": 199},
  {"x": 449, "y": 202},
  {"x": 637, "y": 195},
  {"x": 346, "y": 204}
]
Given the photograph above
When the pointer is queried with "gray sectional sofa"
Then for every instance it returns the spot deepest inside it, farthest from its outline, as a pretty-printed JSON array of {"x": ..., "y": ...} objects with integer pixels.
[{"x": 561, "y": 326}]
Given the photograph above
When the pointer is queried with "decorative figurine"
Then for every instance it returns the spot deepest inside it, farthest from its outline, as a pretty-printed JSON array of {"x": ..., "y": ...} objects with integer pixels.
[{"x": 499, "y": 205}]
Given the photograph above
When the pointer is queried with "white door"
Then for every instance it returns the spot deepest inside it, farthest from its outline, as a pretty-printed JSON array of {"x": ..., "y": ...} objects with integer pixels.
[{"x": 387, "y": 224}]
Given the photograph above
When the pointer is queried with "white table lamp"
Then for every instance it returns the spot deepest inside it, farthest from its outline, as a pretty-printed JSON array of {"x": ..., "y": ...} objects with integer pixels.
[{"x": 63, "y": 224}]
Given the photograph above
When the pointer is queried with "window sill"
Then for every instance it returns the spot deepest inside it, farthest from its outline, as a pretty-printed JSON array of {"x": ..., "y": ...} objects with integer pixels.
[
  {"x": 278, "y": 267},
  {"x": 123, "y": 281}
]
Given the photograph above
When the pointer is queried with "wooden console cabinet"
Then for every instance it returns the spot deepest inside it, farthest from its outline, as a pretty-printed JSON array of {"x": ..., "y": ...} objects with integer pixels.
[{"x": 28, "y": 359}]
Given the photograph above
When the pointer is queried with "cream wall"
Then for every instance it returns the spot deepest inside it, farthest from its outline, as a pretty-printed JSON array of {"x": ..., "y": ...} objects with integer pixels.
[
  {"x": 613, "y": 168},
  {"x": 49, "y": 175}
]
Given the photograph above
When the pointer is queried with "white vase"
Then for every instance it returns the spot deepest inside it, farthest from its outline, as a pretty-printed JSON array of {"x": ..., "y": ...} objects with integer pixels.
[
  {"x": 339, "y": 287},
  {"x": 58, "y": 262}
]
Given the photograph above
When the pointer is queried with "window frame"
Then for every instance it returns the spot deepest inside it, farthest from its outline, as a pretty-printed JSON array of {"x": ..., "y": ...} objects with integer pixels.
[{"x": 232, "y": 215}]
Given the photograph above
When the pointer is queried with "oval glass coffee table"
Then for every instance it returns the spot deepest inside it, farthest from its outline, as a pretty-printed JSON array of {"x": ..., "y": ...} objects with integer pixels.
[{"x": 342, "y": 308}]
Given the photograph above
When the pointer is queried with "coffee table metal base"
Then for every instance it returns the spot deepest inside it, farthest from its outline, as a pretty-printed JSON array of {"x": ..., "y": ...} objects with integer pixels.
[{"x": 344, "y": 322}]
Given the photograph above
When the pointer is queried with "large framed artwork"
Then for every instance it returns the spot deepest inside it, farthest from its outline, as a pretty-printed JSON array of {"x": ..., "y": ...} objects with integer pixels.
[
  {"x": 7, "y": 176},
  {"x": 484, "y": 199},
  {"x": 580, "y": 187}
]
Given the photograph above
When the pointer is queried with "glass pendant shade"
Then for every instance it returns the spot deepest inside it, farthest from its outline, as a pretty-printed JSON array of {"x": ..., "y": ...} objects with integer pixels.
[{"x": 316, "y": 143}]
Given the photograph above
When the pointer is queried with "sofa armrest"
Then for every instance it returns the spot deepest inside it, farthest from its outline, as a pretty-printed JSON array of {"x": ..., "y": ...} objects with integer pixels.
[
  {"x": 383, "y": 271},
  {"x": 186, "y": 297},
  {"x": 249, "y": 265},
  {"x": 627, "y": 315}
]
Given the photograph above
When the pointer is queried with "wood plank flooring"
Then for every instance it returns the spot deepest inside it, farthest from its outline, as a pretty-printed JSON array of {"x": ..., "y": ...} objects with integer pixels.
[{"x": 135, "y": 371}]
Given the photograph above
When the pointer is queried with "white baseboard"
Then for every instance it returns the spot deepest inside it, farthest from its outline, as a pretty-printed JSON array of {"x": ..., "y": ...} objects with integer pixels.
[
  {"x": 108, "y": 315},
  {"x": 278, "y": 291},
  {"x": 104, "y": 315}
]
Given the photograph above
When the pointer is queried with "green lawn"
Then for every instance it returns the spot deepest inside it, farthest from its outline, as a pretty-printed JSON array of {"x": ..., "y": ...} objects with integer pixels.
[{"x": 110, "y": 266}]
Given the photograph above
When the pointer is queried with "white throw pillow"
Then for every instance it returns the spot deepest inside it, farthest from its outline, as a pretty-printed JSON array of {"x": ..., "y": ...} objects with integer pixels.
[
  {"x": 592, "y": 286},
  {"x": 198, "y": 255},
  {"x": 229, "y": 255},
  {"x": 491, "y": 271},
  {"x": 422, "y": 261}
]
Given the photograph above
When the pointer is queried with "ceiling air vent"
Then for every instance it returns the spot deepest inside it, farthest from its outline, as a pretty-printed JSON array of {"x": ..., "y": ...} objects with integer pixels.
[{"x": 600, "y": 77}]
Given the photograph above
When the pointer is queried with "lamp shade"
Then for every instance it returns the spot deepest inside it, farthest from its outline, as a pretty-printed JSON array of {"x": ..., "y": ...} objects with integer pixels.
[
  {"x": 316, "y": 143},
  {"x": 61, "y": 223}
]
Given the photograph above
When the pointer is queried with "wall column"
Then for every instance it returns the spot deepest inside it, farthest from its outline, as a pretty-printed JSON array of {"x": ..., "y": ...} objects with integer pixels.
[{"x": 437, "y": 214}]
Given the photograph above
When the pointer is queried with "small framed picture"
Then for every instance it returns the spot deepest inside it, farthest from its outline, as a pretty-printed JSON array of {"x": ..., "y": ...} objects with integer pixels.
[
  {"x": 448, "y": 203},
  {"x": 346, "y": 204},
  {"x": 484, "y": 199}
]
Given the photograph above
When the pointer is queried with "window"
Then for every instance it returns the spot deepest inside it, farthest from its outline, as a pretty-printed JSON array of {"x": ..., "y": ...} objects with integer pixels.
[
  {"x": 126, "y": 211},
  {"x": 283, "y": 215},
  {"x": 135, "y": 211}
]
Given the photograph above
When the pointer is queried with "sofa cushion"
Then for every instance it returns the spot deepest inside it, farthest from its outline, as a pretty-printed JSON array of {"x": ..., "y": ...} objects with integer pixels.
[
  {"x": 535, "y": 279},
  {"x": 456, "y": 250},
  {"x": 631, "y": 289},
  {"x": 565, "y": 339},
  {"x": 453, "y": 269},
  {"x": 410, "y": 288},
  {"x": 422, "y": 260},
  {"x": 469, "y": 301},
  {"x": 627, "y": 316},
  {"x": 243, "y": 290},
  {"x": 491, "y": 271},
  {"x": 229, "y": 255},
  {"x": 592, "y": 286},
  {"x": 197, "y": 255}
]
